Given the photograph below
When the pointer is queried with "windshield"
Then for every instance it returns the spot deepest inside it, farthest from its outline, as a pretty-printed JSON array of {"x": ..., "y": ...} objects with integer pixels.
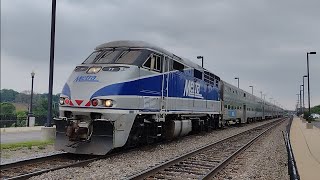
[
  {"x": 113, "y": 56},
  {"x": 128, "y": 57},
  {"x": 107, "y": 57},
  {"x": 92, "y": 57}
]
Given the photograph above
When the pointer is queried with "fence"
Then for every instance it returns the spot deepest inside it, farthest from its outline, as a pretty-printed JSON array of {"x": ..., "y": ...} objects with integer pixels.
[
  {"x": 292, "y": 166},
  {"x": 13, "y": 121}
]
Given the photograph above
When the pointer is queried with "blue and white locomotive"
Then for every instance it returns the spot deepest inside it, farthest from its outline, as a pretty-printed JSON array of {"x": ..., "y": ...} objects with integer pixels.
[{"x": 131, "y": 92}]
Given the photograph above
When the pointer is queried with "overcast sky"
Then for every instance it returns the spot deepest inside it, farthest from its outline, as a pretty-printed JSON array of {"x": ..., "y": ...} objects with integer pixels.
[{"x": 264, "y": 42}]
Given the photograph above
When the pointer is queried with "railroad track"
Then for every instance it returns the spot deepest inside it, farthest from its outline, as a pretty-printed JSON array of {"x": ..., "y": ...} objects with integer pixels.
[
  {"x": 37, "y": 166},
  {"x": 32, "y": 167},
  {"x": 205, "y": 162}
]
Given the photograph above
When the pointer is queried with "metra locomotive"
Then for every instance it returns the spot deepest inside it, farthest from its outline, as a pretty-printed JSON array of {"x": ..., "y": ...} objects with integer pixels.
[{"x": 131, "y": 92}]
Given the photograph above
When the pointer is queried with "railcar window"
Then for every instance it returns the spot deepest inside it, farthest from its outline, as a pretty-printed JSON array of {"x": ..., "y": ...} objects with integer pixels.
[
  {"x": 92, "y": 57},
  {"x": 197, "y": 74},
  {"x": 177, "y": 66},
  {"x": 108, "y": 57},
  {"x": 128, "y": 57}
]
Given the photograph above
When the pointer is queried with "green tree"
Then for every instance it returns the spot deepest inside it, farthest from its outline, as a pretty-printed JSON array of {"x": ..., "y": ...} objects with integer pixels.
[
  {"x": 315, "y": 109},
  {"x": 21, "y": 118},
  {"x": 41, "y": 108},
  {"x": 22, "y": 115},
  {"x": 22, "y": 98},
  {"x": 7, "y": 109},
  {"x": 8, "y": 95}
]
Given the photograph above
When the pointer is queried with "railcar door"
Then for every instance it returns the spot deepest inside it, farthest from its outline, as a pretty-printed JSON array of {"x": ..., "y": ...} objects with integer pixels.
[
  {"x": 244, "y": 113},
  {"x": 165, "y": 85},
  {"x": 151, "y": 83}
]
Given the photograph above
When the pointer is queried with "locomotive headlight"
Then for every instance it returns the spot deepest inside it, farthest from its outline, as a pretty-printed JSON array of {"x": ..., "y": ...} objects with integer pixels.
[
  {"x": 94, "y": 70},
  {"x": 61, "y": 101},
  {"x": 108, "y": 103}
]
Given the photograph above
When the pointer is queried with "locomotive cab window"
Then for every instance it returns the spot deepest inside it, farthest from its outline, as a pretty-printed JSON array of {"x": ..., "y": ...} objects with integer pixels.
[
  {"x": 93, "y": 56},
  {"x": 108, "y": 57},
  {"x": 128, "y": 57},
  {"x": 154, "y": 63}
]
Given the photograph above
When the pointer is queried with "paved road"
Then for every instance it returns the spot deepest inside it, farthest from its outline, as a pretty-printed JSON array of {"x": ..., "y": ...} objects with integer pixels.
[
  {"x": 20, "y": 136},
  {"x": 317, "y": 124}
]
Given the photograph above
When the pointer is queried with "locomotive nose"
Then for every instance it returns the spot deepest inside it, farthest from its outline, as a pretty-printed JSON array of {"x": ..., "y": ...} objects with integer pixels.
[{"x": 70, "y": 137}]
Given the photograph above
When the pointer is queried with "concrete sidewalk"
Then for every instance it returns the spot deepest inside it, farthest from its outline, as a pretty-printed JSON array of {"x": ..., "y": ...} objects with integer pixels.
[
  {"x": 20, "y": 134},
  {"x": 306, "y": 148},
  {"x": 20, "y": 137}
]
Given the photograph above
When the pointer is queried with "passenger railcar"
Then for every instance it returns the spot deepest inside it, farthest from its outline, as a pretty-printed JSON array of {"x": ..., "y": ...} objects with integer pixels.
[{"x": 131, "y": 92}]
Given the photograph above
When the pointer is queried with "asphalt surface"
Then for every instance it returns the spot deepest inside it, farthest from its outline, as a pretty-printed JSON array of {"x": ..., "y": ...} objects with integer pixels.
[
  {"x": 20, "y": 137},
  {"x": 316, "y": 123}
]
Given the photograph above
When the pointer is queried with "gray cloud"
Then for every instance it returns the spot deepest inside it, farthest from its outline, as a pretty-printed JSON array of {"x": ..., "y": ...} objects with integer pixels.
[{"x": 263, "y": 42}]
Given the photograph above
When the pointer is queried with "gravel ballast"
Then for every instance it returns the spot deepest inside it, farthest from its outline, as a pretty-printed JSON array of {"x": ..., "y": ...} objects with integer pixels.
[
  {"x": 127, "y": 164},
  {"x": 13, "y": 155},
  {"x": 264, "y": 159}
]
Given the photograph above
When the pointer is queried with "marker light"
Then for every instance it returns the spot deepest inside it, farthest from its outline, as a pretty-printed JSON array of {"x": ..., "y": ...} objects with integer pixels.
[
  {"x": 94, "y": 102},
  {"x": 67, "y": 101},
  {"x": 94, "y": 70},
  {"x": 108, "y": 103},
  {"x": 61, "y": 101}
]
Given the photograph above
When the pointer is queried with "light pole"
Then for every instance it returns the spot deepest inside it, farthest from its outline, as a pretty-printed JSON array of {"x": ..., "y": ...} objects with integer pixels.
[
  {"x": 31, "y": 98},
  {"x": 303, "y": 92},
  {"x": 251, "y": 89},
  {"x": 309, "y": 79},
  {"x": 200, "y": 57},
  {"x": 298, "y": 104},
  {"x": 238, "y": 80},
  {"x": 53, "y": 30}
]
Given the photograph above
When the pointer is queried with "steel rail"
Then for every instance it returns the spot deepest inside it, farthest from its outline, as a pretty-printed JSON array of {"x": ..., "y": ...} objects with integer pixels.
[
  {"x": 152, "y": 171},
  {"x": 79, "y": 163},
  {"x": 5, "y": 166},
  {"x": 66, "y": 156},
  {"x": 223, "y": 164}
]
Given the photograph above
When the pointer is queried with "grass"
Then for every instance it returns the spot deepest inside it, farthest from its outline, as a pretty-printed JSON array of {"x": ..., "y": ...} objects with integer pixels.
[{"x": 27, "y": 144}]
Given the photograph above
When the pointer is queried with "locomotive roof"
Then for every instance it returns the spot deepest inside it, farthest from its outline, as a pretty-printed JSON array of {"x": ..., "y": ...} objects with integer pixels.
[{"x": 143, "y": 44}]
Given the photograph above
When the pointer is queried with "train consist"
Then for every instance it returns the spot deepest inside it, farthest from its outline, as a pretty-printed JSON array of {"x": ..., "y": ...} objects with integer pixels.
[{"x": 130, "y": 92}]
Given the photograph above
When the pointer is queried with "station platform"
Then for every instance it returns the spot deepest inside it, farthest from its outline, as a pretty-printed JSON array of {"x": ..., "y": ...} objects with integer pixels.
[{"x": 305, "y": 143}]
